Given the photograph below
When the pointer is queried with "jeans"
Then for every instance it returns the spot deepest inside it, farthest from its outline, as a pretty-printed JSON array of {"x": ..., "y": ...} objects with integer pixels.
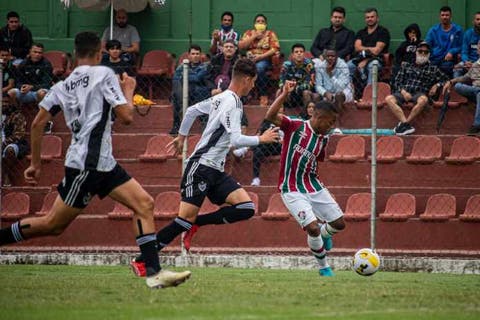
[
  {"x": 473, "y": 94},
  {"x": 352, "y": 67},
  {"x": 262, "y": 79},
  {"x": 28, "y": 97}
]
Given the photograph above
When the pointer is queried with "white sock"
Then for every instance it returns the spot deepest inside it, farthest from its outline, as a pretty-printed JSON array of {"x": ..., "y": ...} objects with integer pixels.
[
  {"x": 316, "y": 246},
  {"x": 327, "y": 230}
]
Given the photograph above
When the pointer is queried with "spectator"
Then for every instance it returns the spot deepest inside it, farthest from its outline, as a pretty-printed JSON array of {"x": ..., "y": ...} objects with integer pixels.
[
  {"x": 406, "y": 50},
  {"x": 336, "y": 36},
  {"x": 219, "y": 36},
  {"x": 261, "y": 45},
  {"x": 219, "y": 71},
  {"x": 301, "y": 70},
  {"x": 471, "y": 38},
  {"x": 8, "y": 81},
  {"x": 415, "y": 82},
  {"x": 14, "y": 144},
  {"x": 332, "y": 79},
  {"x": 115, "y": 61},
  {"x": 370, "y": 44},
  {"x": 445, "y": 39},
  {"x": 472, "y": 92},
  {"x": 16, "y": 37},
  {"x": 197, "y": 87},
  {"x": 126, "y": 34}
]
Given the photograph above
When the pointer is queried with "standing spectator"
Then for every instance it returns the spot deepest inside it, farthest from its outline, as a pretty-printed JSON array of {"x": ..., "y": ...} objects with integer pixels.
[
  {"x": 370, "y": 44},
  {"x": 226, "y": 32},
  {"x": 415, "y": 82},
  {"x": 471, "y": 38},
  {"x": 445, "y": 39},
  {"x": 261, "y": 45},
  {"x": 332, "y": 79},
  {"x": 16, "y": 37},
  {"x": 8, "y": 81},
  {"x": 197, "y": 87},
  {"x": 126, "y": 34},
  {"x": 336, "y": 36},
  {"x": 115, "y": 61},
  {"x": 406, "y": 50}
]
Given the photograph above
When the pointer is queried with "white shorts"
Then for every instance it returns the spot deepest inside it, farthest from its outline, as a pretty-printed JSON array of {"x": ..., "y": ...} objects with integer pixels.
[{"x": 309, "y": 207}]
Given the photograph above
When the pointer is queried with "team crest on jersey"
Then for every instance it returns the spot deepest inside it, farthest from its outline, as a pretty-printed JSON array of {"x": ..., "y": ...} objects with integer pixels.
[
  {"x": 302, "y": 134},
  {"x": 202, "y": 186},
  {"x": 301, "y": 215}
]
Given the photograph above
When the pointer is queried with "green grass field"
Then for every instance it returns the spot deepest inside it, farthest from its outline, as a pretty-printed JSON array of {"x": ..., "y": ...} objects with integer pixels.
[{"x": 74, "y": 292}]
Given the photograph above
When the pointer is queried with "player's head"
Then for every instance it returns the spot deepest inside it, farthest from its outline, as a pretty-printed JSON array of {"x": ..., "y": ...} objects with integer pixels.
[
  {"x": 88, "y": 46},
  {"x": 244, "y": 75},
  {"x": 324, "y": 117}
]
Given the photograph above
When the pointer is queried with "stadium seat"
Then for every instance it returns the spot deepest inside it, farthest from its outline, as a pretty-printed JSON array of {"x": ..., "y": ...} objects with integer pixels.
[
  {"x": 276, "y": 210},
  {"x": 426, "y": 150},
  {"x": 208, "y": 207},
  {"x": 349, "y": 149},
  {"x": 59, "y": 62},
  {"x": 440, "y": 207},
  {"x": 15, "y": 205},
  {"x": 254, "y": 198},
  {"x": 399, "y": 207},
  {"x": 465, "y": 150},
  {"x": 120, "y": 212},
  {"x": 359, "y": 207},
  {"x": 156, "y": 149},
  {"x": 156, "y": 63},
  {"x": 166, "y": 205},
  {"x": 51, "y": 148},
  {"x": 382, "y": 92},
  {"x": 47, "y": 204},
  {"x": 472, "y": 210},
  {"x": 456, "y": 100},
  {"x": 389, "y": 149}
]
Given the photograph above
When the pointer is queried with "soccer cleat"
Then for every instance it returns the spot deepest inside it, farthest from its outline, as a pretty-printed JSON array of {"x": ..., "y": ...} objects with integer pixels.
[
  {"x": 166, "y": 278},
  {"x": 138, "y": 267},
  {"x": 187, "y": 239},
  {"x": 327, "y": 243},
  {"x": 326, "y": 272}
]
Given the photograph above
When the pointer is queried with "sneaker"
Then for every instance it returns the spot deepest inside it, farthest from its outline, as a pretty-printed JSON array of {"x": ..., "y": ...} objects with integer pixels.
[
  {"x": 166, "y": 278},
  {"x": 397, "y": 127},
  {"x": 255, "y": 182},
  {"x": 327, "y": 243},
  {"x": 240, "y": 152},
  {"x": 48, "y": 127},
  {"x": 138, "y": 267},
  {"x": 326, "y": 272},
  {"x": 404, "y": 129},
  {"x": 187, "y": 239},
  {"x": 474, "y": 130}
]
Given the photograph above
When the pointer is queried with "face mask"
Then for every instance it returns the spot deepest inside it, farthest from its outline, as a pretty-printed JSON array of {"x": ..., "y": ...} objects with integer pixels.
[
  {"x": 422, "y": 58},
  {"x": 260, "y": 26},
  {"x": 226, "y": 28}
]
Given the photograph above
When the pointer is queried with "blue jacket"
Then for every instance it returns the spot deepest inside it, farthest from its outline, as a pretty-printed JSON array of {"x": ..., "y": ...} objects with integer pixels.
[
  {"x": 469, "y": 45},
  {"x": 442, "y": 42},
  {"x": 196, "y": 73}
]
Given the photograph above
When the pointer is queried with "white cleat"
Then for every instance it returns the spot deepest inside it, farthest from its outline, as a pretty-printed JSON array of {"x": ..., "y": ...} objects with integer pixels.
[{"x": 166, "y": 278}]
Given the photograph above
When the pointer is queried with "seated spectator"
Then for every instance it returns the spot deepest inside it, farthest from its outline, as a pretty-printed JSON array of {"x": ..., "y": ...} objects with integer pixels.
[
  {"x": 370, "y": 45},
  {"x": 301, "y": 70},
  {"x": 14, "y": 144},
  {"x": 472, "y": 92},
  {"x": 16, "y": 37},
  {"x": 336, "y": 36},
  {"x": 471, "y": 38},
  {"x": 332, "y": 79},
  {"x": 406, "y": 50},
  {"x": 115, "y": 60},
  {"x": 415, "y": 82},
  {"x": 197, "y": 87},
  {"x": 261, "y": 44},
  {"x": 126, "y": 34},
  {"x": 445, "y": 39},
  {"x": 226, "y": 32},
  {"x": 8, "y": 81},
  {"x": 219, "y": 71}
]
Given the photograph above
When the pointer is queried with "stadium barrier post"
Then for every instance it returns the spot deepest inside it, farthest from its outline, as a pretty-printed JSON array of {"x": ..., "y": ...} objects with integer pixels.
[
  {"x": 185, "y": 145},
  {"x": 373, "y": 185}
]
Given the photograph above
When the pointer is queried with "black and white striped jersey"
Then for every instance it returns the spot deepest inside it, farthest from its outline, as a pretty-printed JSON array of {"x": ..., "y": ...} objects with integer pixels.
[{"x": 87, "y": 98}]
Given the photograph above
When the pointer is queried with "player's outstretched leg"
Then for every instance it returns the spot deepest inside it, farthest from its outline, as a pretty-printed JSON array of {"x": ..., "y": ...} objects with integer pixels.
[{"x": 320, "y": 254}]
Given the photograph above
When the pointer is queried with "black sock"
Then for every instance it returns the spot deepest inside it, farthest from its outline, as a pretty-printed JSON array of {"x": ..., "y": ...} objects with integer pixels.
[
  {"x": 239, "y": 212},
  {"x": 11, "y": 234},
  {"x": 148, "y": 248},
  {"x": 171, "y": 231}
]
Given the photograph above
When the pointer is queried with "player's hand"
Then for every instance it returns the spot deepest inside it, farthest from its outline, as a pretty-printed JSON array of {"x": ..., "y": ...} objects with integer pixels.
[
  {"x": 270, "y": 135},
  {"x": 176, "y": 145},
  {"x": 32, "y": 174},
  {"x": 127, "y": 82},
  {"x": 289, "y": 86}
]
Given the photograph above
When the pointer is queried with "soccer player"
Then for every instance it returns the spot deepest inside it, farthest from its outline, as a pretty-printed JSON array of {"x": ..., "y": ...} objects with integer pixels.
[
  {"x": 204, "y": 174},
  {"x": 89, "y": 98},
  {"x": 303, "y": 194}
]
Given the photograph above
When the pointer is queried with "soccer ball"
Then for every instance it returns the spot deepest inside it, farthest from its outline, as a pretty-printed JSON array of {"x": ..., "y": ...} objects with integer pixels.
[{"x": 366, "y": 262}]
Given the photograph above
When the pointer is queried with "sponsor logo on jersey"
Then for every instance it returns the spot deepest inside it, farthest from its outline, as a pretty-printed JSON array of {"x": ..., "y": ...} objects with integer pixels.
[{"x": 73, "y": 84}]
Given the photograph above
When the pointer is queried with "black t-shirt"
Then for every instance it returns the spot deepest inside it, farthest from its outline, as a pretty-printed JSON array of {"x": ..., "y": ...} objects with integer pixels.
[
  {"x": 380, "y": 34},
  {"x": 119, "y": 67}
]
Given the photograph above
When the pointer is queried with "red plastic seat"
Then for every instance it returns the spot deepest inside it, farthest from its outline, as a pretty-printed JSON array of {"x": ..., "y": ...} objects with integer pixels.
[
  {"x": 276, "y": 210},
  {"x": 156, "y": 63},
  {"x": 359, "y": 207},
  {"x": 440, "y": 207},
  {"x": 51, "y": 148},
  {"x": 399, "y": 207},
  {"x": 47, "y": 204},
  {"x": 389, "y": 149},
  {"x": 156, "y": 149},
  {"x": 349, "y": 149},
  {"x": 456, "y": 100},
  {"x": 465, "y": 150},
  {"x": 383, "y": 91},
  {"x": 472, "y": 210},
  {"x": 166, "y": 205},
  {"x": 426, "y": 150},
  {"x": 59, "y": 61},
  {"x": 208, "y": 207},
  {"x": 15, "y": 205},
  {"x": 254, "y": 198},
  {"x": 120, "y": 212}
]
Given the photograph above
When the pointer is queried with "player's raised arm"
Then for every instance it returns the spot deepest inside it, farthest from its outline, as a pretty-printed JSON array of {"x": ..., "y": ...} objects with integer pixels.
[
  {"x": 272, "y": 113},
  {"x": 124, "y": 111}
]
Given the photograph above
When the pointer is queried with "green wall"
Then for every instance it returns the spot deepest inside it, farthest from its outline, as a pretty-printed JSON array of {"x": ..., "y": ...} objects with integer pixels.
[{"x": 171, "y": 27}]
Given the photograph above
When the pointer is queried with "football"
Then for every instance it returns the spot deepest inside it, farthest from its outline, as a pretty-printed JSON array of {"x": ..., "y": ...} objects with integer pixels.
[{"x": 366, "y": 262}]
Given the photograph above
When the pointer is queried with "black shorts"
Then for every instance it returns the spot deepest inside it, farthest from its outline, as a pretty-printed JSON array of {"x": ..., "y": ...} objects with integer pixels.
[
  {"x": 401, "y": 99},
  {"x": 200, "y": 181},
  {"x": 79, "y": 187}
]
